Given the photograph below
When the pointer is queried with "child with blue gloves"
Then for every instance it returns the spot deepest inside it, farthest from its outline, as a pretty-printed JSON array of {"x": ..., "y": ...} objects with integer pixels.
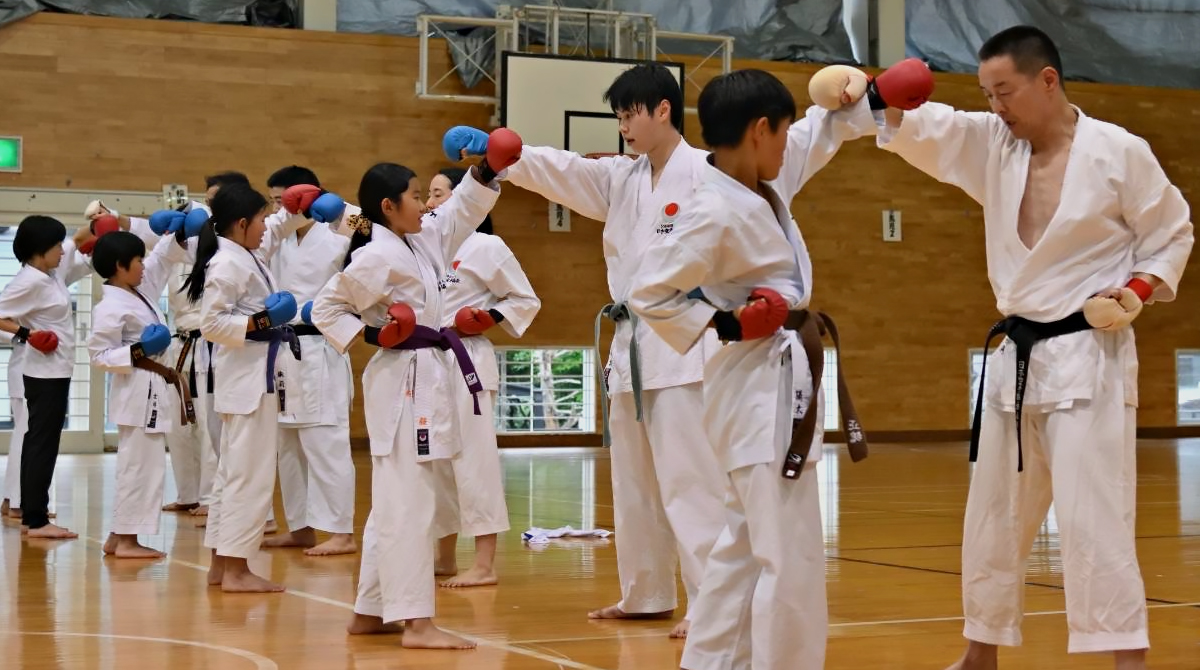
[{"x": 129, "y": 339}]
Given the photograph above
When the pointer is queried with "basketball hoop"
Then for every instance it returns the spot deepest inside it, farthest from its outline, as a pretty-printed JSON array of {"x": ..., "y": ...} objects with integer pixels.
[{"x": 605, "y": 155}]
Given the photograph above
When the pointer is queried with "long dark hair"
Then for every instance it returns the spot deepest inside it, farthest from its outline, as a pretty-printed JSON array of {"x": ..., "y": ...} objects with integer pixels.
[
  {"x": 36, "y": 235},
  {"x": 456, "y": 175},
  {"x": 383, "y": 180},
  {"x": 231, "y": 204}
]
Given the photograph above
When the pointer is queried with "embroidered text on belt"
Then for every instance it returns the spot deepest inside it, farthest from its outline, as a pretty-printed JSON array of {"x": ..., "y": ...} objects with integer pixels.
[
  {"x": 1024, "y": 334},
  {"x": 618, "y": 312},
  {"x": 187, "y": 411},
  {"x": 189, "y": 339},
  {"x": 810, "y": 326},
  {"x": 424, "y": 337},
  {"x": 275, "y": 337}
]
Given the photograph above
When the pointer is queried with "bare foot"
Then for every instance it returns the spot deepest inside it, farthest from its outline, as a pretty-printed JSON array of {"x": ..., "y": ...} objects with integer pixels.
[
  {"x": 110, "y": 544},
  {"x": 445, "y": 570},
  {"x": 216, "y": 570},
  {"x": 180, "y": 507},
  {"x": 476, "y": 576},
  {"x": 248, "y": 582},
  {"x": 422, "y": 634},
  {"x": 14, "y": 513},
  {"x": 53, "y": 532},
  {"x": 4, "y": 507},
  {"x": 202, "y": 522},
  {"x": 614, "y": 612},
  {"x": 305, "y": 537},
  {"x": 363, "y": 624},
  {"x": 681, "y": 630},
  {"x": 978, "y": 656},
  {"x": 202, "y": 510},
  {"x": 340, "y": 543},
  {"x": 271, "y": 528},
  {"x": 127, "y": 546}
]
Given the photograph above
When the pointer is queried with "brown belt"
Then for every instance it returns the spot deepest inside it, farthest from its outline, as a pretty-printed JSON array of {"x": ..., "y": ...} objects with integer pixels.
[
  {"x": 810, "y": 327},
  {"x": 187, "y": 411}
]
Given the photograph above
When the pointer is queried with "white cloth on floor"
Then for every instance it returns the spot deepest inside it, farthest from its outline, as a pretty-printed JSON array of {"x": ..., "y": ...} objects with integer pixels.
[{"x": 543, "y": 535}]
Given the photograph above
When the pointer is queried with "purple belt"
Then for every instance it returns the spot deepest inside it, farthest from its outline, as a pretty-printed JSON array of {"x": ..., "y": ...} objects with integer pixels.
[
  {"x": 275, "y": 337},
  {"x": 425, "y": 337}
]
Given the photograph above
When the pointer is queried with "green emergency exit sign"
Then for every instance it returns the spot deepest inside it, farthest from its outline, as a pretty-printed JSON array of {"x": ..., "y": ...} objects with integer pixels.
[{"x": 10, "y": 154}]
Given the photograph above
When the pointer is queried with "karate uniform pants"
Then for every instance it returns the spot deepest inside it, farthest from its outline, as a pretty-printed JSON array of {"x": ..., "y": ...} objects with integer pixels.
[
  {"x": 667, "y": 495},
  {"x": 316, "y": 476},
  {"x": 141, "y": 473},
  {"x": 12, "y": 476},
  {"x": 471, "y": 491},
  {"x": 245, "y": 482},
  {"x": 762, "y": 603},
  {"x": 396, "y": 579},
  {"x": 46, "y": 400},
  {"x": 186, "y": 447},
  {"x": 1084, "y": 459}
]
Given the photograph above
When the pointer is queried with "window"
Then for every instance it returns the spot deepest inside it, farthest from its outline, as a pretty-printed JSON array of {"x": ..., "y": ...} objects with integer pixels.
[
  {"x": 546, "y": 391},
  {"x": 1187, "y": 386}
]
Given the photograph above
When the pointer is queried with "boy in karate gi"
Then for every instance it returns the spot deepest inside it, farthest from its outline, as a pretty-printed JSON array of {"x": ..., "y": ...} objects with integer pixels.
[
  {"x": 129, "y": 339},
  {"x": 762, "y": 600},
  {"x": 1082, "y": 229},
  {"x": 316, "y": 472}
]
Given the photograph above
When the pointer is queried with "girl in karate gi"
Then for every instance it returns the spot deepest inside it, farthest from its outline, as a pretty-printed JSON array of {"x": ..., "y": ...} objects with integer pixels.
[
  {"x": 484, "y": 286},
  {"x": 389, "y": 293},
  {"x": 35, "y": 307},
  {"x": 129, "y": 338},
  {"x": 245, "y": 315}
]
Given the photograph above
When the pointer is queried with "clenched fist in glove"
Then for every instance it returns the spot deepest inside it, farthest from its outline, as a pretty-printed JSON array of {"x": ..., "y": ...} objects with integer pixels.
[
  {"x": 403, "y": 323},
  {"x": 501, "y": 148},
  {"x": 299, "y": 198},
  {"x": 44, "y": 341},
  {"x": 764, "y": 313},
  {"x": 471, "y": 321},
  {"x": 906, "y": 85},
  {"x": 280, "y": 309},
  {"x": 1116, "y": 308},
  {"x": 166, "y": 221}
]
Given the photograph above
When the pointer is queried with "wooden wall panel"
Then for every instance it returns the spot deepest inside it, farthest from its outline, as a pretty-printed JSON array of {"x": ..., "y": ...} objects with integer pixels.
[{"x": 128, "y": 104}]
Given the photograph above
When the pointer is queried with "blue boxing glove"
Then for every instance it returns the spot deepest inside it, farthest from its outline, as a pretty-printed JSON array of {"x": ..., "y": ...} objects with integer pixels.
[
  {"x": 306, "y": 313},
  {"x": 327, "y": 208},
  {"x": 194, "y": 222},
  {"x": 155, "y": 340},
  {"x": 166, "y": 221},
  {"x": 456, "y": 139},
  {"x": 280, "y": 309}
]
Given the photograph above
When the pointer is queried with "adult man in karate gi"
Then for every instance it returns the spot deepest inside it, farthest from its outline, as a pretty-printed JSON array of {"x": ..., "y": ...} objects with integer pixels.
[{"x": 1079, "y": 217}]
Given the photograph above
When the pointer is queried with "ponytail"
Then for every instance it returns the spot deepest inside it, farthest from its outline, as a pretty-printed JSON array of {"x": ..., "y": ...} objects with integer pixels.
[
  {"x": 206, "y": 248},
  {"x": 358, "y": 240},
  {"x": 231, "y": 204}
]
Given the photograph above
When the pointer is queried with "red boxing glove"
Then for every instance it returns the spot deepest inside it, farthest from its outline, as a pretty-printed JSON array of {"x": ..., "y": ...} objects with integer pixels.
[
  {"x": 471, "y": 321},
  {"x": 104, "y": 225},
  {"x": 297, "y": 199},
  {"x": 1141, "y": 287},
  {"x": 401, "y": 327},
  {"x": 503, "y": 148},
  {"x": 764, "y": 313},
  {"x": 905, "y": 85},
  {"x": 44, "y": 341}
]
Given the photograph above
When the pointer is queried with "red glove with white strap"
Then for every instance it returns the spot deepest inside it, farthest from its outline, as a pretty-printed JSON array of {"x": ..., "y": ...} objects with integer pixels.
[
  {"x": 400, "y": 328},
  {"x": 100, "y": 226},
  {"x": 471, "y": 321},
  {"x": 765, "y": 312}
]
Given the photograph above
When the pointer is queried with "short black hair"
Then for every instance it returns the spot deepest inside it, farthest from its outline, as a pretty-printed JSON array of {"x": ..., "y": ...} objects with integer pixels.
[
  {"x": 37, "y": 235},
  {"x": 292, "y": 175},
  {"x": 224, "y": 179},
  {"x": 116, "y": 250},
  {"x": 1030, "y": 49},
  {"x": 646, "y": 85},
  {"x": 731, "y": 103}
]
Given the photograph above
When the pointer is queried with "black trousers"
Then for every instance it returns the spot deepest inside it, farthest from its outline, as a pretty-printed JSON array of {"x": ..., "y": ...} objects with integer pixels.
[{"x": 46, "y": 400}]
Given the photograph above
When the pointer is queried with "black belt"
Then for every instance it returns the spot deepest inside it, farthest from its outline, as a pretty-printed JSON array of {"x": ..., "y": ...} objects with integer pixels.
[
  {"x": 1024, "y": 334},
  {"x": 302, "y": 329}
]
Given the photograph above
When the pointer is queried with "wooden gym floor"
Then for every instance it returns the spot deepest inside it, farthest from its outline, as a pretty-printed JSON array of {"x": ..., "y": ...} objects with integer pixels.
[{"x": 892, "y": 528}]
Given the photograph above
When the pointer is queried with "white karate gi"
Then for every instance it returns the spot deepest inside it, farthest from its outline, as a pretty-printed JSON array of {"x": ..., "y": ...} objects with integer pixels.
[
  {"x": 667, "y": 488},
  {"x": 762, "y": 600},
  {"x": 236, "y": 287},
  {"x": 316, "y": 472},
  {"x": 140, "y": 402},
  {"x": 407, "y": 393},
  {"x": 1118, "y": 215},
  {"x": 16, "y": 395},
  {"x": 484, "y": 275}
]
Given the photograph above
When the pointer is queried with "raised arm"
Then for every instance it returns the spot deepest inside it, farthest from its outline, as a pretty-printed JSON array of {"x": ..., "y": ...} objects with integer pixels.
[
  {"x": 579, "y": 183},
  {"x": 1160, "y": 219},
  {"x": 815, "y": 139},
  {"x": 944, "y": 143},
  {"x": 507, "y": 281},
  {"x": 454, "y": 220},
  {"x": 348, "y": 294},
  {"x": 74, "y": 264},
  {"x": 280, "y": 226},
  {"x": 159, "y": 262}
]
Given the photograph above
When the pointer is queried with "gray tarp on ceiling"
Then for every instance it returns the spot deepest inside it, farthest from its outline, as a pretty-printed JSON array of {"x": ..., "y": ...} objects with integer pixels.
[
  {"x": 1148, "y": 42},
  {"x": 1140, "y": 42}
]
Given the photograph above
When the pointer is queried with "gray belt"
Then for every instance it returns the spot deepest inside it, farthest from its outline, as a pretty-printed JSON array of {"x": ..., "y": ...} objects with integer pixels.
[{"x": 618, "y": 312}]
